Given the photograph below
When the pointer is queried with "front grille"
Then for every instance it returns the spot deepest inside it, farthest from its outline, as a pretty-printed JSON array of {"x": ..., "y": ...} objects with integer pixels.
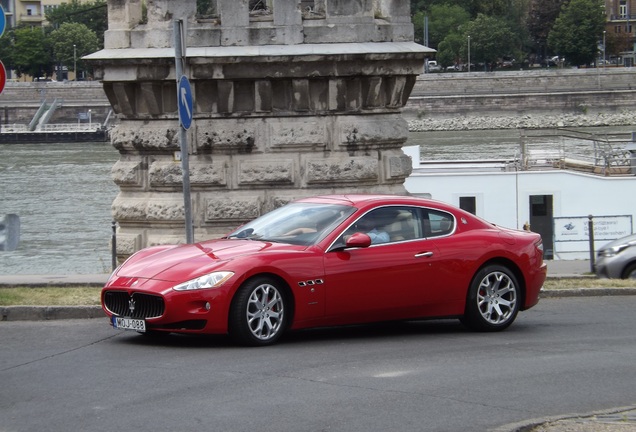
[{"x": 137, "y": 305}]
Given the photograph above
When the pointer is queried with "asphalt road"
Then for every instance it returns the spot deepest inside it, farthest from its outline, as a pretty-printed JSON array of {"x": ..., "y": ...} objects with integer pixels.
[{"x": 569, "y": 355}]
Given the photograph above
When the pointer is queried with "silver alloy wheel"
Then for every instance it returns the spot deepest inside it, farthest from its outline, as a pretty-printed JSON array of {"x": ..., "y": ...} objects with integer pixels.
[
  {"x": 265, "y": 312},
  {"x": 497, "y": 297}
]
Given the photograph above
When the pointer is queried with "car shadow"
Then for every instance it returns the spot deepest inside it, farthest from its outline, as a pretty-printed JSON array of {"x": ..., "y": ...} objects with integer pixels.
[
  {"x": 383, "y": 330},
  {"x": 372, "y": 331}
]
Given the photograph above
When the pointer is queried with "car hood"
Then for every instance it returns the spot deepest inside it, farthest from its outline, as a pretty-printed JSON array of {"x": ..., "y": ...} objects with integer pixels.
[{"x": 185, "y": 262}]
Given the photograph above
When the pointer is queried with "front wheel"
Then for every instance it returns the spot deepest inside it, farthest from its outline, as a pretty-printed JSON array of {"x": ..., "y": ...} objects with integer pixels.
[
  {"x": 493, "y": 299},
  {"x": 630, "y": 272},
  {"x": 258, "y": 315}
]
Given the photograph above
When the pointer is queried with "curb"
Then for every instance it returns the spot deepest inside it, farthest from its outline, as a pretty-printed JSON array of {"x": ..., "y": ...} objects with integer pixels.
[{"x": 47, "y": 313}]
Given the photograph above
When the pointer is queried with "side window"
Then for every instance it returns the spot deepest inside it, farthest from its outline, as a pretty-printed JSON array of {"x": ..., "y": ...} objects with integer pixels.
[
  {"x": 387, "y": 225},
  {"x": 438, "y": 223}
]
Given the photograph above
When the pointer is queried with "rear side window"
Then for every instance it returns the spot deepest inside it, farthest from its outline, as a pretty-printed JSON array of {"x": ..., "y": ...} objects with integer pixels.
[{"x": 438, "y": 223}]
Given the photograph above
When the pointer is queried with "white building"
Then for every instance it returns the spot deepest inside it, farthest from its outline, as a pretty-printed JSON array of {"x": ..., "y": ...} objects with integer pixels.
[{"x": 555, "y": 202}]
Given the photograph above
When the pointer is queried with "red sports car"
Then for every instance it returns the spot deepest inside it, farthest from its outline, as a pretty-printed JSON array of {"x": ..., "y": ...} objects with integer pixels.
[{"x": 332, "y": 260}]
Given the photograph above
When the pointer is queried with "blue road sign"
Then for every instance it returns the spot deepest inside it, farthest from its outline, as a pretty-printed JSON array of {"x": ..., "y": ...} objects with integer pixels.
[
  {"x": 3, "y": 21},
  {"x": 184, "y": 95}
]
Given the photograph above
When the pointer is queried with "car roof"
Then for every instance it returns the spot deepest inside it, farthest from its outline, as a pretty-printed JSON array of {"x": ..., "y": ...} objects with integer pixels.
[{"x": 362, "y": 200}]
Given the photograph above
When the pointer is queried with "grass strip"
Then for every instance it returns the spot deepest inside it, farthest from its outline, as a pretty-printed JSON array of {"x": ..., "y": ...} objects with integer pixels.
[
  {"x": 50, "y": 296},
  {"x": 89, "y": 296}
]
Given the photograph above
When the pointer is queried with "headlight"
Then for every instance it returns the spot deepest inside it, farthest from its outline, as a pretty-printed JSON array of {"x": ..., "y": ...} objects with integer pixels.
[
  {"x": 212, "y": 280},
  {"x": 614, "y": 250}
]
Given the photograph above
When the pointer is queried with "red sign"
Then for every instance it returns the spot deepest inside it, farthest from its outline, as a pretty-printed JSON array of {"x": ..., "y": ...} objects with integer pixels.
[{"x": 3, "y": 76}]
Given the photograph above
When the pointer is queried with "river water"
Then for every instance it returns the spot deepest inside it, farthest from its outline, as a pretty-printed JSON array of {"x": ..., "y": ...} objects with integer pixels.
[{"x": 63, "y": 193}]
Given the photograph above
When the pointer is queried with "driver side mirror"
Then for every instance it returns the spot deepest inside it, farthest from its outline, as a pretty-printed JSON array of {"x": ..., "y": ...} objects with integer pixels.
[{"x": 358, "y": 240}]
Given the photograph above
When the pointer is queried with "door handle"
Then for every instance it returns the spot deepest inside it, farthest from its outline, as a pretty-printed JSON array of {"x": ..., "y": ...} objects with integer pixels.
[{"x": 424, "y": 254}]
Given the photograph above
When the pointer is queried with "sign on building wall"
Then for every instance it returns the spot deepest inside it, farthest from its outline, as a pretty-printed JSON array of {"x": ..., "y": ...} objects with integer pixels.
[{"x": 606, "y": 228}]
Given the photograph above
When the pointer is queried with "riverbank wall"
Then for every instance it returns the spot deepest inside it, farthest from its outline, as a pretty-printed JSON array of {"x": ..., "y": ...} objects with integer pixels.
[
  {"x": 20, "y": 101},
  {"x": 541, "y": 98},
  {"x": 553, "y": 94}
]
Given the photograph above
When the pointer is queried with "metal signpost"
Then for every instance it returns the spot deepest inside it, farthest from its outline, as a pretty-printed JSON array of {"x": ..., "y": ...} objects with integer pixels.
[{"x": 185, "y": 102}]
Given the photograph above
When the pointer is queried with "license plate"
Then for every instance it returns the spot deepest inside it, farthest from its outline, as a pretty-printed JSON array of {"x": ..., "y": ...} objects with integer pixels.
[{"x": 129, "y": 324}]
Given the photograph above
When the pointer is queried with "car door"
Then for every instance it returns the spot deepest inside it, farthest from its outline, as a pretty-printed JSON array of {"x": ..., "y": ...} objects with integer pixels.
[{"x": 382, "y": 281}]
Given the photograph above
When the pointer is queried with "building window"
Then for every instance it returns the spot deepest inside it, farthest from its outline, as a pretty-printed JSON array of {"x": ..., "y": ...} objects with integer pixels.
[
  {"x": 468, "y": 203},
  {"x": 622, "y": 9}
]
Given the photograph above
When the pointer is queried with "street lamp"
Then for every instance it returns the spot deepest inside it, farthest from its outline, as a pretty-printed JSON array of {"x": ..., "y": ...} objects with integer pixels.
[
  {"x": 604, "y": 32},
  {"x": 75, "y": 61},
  {"x": 468, "y": 53}
]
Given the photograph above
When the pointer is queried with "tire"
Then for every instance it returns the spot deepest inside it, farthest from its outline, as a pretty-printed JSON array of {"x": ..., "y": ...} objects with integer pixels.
[
  {"x": 493, "y": 299},
  {"x": 630, "y": 272},
  {"x": 259, "y": 313}
]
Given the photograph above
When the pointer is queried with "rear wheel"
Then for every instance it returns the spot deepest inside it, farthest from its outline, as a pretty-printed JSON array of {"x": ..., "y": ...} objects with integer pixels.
[
  {"x": 258, "y": 315},
  {"x": 493, "y": 299}
]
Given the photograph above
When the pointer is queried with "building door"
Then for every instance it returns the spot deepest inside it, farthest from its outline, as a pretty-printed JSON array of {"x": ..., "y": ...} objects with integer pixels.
[{"x": 541, "y": 221}]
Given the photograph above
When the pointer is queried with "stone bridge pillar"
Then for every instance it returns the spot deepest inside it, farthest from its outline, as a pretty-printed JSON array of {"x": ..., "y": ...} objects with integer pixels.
[{"x": 297, "y": 99}]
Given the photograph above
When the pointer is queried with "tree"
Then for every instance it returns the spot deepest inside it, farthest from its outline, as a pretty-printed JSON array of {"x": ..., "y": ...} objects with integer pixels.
[
  {"x": 577, "y": 31},
  {"x": 93, "y": 14},
  {"x": 449, "y": 50},
  {"x": 72, "y": 41},
  {"x": 543, "y": 14},
  {"x": 445, "y": 20},
  {"x": 490, "y": 39},
  {"x": 29, "y": 52}
]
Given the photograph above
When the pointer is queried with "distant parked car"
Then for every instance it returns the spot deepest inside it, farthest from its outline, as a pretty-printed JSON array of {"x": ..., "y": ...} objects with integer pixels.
[
  {"x": 433, "y": 66},
  {"x": 617, "y": 259}
]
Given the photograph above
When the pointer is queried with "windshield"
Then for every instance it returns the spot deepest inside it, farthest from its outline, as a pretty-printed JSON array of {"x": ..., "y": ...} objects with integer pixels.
[{"x": 295, "y": 223}]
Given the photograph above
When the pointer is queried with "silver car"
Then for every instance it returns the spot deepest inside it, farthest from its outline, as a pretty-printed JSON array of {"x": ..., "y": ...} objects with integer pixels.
[{"x": 617, "y": 259}]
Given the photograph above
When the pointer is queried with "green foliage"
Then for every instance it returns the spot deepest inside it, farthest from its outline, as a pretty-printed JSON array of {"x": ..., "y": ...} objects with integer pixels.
[
  {"x": 543, "y": 14},
  {"x": 577, "y": 31},
  {"x": 445, "y": 20},
  {"x": 72, "y": 41},
  {"x": 490, "y": 39},
  {"x": 93, "y": 14},
  {"x": 26, "y": 50},
  {"x": 449, "y": 51}
]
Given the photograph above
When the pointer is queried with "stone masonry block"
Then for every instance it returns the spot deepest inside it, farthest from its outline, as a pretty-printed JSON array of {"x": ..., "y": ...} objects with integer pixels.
[
  {"x": 124, "y": 14},
  {"x": 398, "y": 167},
  {"x": 229, "y": 136},
  {"x": 142, "y": 137},
  {"x": 287, "y": 13},
  {"x": 232, "y": 209},
  {"x": 342, "y": 170},
  {"x": 166, "y": 239},
  {"x": 165, "y": 11},
  {"x": 127, "y": 173},
  {"x": 265, "y": 172},
  {"x": 169, "y": 174},
  {"x": 128, "y": 243},
  {"x": 357, "y": 133},
  {"x": 298, "y": 134},
  {"x": 166, "y": 209},
  {"x": 234, "y": 13},
  {"x": 116, "y": 39},
  {"x": 155, "y": 38},
  {"x": 129, "y": 208}
]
